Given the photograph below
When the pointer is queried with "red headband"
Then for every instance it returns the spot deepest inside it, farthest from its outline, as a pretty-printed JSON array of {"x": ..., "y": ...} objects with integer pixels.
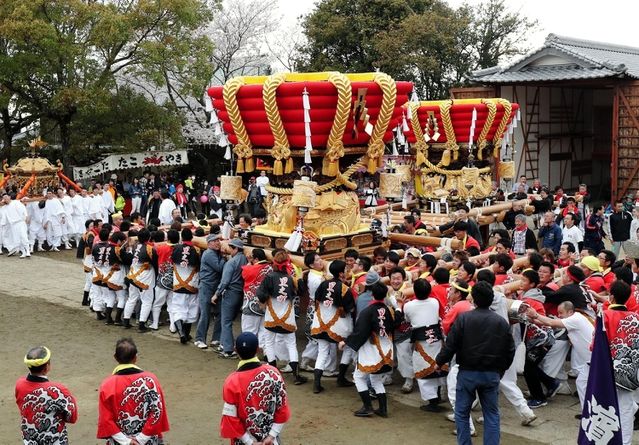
[
  {"x": 280, "y": 266},
  {"x": 571, "y": 276}
]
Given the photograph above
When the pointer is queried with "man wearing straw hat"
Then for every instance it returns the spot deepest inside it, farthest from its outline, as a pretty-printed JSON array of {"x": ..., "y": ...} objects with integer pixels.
[{"x": 45, "y": 407}]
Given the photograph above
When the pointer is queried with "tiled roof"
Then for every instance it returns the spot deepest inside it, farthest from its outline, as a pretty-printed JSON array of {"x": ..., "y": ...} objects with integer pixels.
[{"x": 584, "y": 59}]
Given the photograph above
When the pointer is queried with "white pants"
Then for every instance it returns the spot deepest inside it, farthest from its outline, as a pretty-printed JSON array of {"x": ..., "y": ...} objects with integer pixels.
[
  {"x": 136, "y": 203},
  {"x": 508, "y": 387},
  {"x": 361, "y": 381},
  {"x": 627, "y": 409},
  {"x": 20, "y": 236},
  {"x": 121, "y": 297},
  {"x": 162, "y": 296},
  {"x": 582, "y": 383},
  {"x": 98, "y": 302},
  {"x": 88, "y": 276},
  {"x": 186, "y": 306},
  {"x": 324, "y": 350},
  {"x": 255, "y": 325},
  {"x": 54, "y": 233},
  {"x": 145, "y": 297},
  {"x": 158, "y": 302},
  {"x": 311, "y": 350},
  {"x": 428, "y": 387},
  {"x": 553, "y": 362},
  {"x": 108, "y": 296},
  {"x": 287, "y": 340},
  {"x": 405, "y": 359}
]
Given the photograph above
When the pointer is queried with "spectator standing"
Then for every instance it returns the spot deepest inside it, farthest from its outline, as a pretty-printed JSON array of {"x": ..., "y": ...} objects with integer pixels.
[
  {"x": 594, "y": 234},
  {"x": 620, "y": 222},
  {"x": 485, "y": 348},
  {"x": 550, "y": 233},
  {"x": 253, "y": 387},
  {"x": 230, "y": 293},
  {"x": 45, "y": 407},
  {"x": 634, "y": 225},
  {"x": 135, "y": 192},
  {"x": 211, "y": 267},
  {"x": 571, "y": 233}
]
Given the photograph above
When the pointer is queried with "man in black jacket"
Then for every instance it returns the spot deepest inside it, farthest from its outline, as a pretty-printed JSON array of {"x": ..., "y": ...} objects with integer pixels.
[
  {"x": 484, "y": 347},
  {"x": 620, "y": 222}
]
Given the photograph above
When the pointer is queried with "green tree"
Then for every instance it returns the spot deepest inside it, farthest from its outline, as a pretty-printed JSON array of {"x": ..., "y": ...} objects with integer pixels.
[
  {"x": 498, "y": 33},
  {"x": 427, "y": 49},
  {"x": 65, "y": 53},
  {"x": 428, "y": 42},
  {"x": 341, "y": 33},
  {"x": 124, "y": 121}
]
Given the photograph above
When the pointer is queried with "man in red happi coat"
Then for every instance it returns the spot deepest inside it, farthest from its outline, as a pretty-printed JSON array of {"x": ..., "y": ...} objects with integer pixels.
[
  {"x": 45, "y": 407},
  {"x": 255, "y": 401},
  {"x": 131, "y": 407}
]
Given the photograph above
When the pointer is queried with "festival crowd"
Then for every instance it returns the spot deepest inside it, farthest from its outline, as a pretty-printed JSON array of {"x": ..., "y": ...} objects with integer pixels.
[{"x": 445, "y": 322}]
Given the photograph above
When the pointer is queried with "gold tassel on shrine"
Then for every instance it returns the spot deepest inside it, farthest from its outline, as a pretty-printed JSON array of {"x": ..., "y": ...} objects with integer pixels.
[
  {"x": 419, "y": 158},
  {"x": 455, "y": 155},
  {"x": 333, "y": 168},
  {"x": 290, "y": 166},
  {"x": 249, "y": 165},
  {"x": 445, "y": 158},
  {"x": 278, "y": 168},
  {"x": 240, "y": 165},
  {"x": 372, "y": 165}
]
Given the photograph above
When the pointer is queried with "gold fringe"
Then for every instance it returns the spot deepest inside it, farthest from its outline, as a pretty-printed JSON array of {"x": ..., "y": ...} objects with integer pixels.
[
  {"x": 333, "y": 168},
  {"x": 445, "y": 158},
  {"x": 495, "y": 151},
  {"x": 419, "y": 158},
  {"x": 277, "y": 168},
  {"x": 249, "y": 166},
  {"x": 455, "y": 154},
  {"x": 480, "y": 155},
  {"x": 290, "y": 166},
  {"x": 240, "y": 166},
  {"x": 372, "y": 165}
]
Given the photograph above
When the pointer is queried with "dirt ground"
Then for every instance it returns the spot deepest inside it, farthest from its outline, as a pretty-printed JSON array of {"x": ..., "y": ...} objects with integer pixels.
[{"x": 192, "y": 380}]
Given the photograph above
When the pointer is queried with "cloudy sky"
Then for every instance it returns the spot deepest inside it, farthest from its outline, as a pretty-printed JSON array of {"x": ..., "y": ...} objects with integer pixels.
[{"x": 613, "y": 21}]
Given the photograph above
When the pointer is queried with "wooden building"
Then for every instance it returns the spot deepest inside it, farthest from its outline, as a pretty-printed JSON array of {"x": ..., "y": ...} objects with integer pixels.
[{"x": 579, "y": 113}]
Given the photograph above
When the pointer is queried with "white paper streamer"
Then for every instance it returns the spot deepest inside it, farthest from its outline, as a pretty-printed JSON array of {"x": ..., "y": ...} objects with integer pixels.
[
  {"x": 308, "y": 147},
  {"x": 395, "y": 152},
  {"x": 409, "y": 113},
  {"x": 368, "y": 129},
  {"x": 405, "y": 124},
  {"x": 214, "y": 119},
  {"x": 472, "y": 129},
  {"x": 208, "y": 103},
  {"x": 295, "y": 240},
  {"x": 227, "y": 155},
  {"x": 306, "y": 103},
  {"x": 223, "y": 141}
]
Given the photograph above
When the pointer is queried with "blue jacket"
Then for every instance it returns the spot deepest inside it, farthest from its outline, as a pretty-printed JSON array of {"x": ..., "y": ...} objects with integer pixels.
[
  {"x": 211, "y": 266},
  {"x": 232, "y": 274},
  {"x": 551, "y": 237}
]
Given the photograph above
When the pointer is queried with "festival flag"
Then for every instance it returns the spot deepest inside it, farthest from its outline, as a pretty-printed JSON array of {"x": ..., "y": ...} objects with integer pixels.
[{"x": 600, "y": 420}]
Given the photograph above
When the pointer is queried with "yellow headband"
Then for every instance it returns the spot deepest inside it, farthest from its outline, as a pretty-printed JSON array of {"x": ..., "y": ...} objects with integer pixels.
[
  {"x": 459, "y": 288},
  {"x": 35, "y": 362}
]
